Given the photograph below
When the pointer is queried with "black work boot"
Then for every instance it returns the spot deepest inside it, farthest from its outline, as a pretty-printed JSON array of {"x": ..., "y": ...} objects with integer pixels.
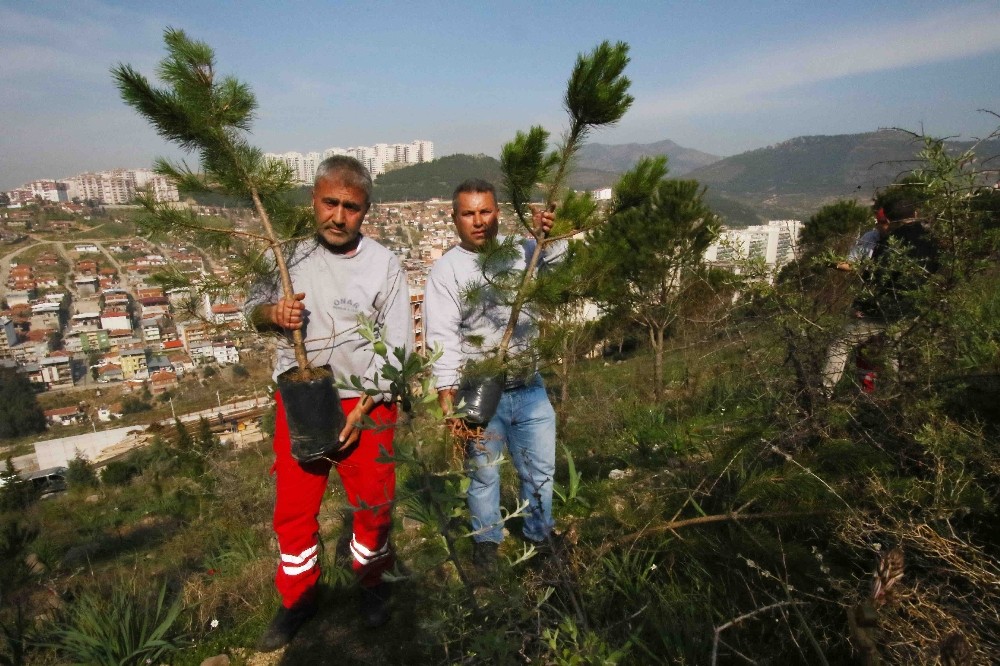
[
  {"x": 484, "y": 556},
  {"x": 375, "y": 605},
  {"x": 285, "y": 623}
]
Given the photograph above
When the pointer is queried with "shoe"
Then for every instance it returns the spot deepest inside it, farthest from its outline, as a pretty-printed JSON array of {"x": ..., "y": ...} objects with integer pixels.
[
  {"x": 284, "y": 625},
  {"x": 484, "y": 556},
  {"x": 551, "y": 545},
  {"x": 375, "y": 605}
]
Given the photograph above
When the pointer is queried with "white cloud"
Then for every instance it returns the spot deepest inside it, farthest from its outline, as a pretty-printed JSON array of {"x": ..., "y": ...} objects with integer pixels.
[{"x": 951, "y": 34}]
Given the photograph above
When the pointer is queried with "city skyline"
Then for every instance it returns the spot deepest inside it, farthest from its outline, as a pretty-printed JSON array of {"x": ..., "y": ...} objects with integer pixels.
[{"x": 775, "y": 71}]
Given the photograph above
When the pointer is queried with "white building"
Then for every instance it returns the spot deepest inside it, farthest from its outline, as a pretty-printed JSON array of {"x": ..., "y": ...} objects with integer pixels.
[
  {"x": 375, "y": 158},
  {"x": 119, "y": 186},
  {"x": 49, "y": 190},
  {"x": 774, "y": 243}
]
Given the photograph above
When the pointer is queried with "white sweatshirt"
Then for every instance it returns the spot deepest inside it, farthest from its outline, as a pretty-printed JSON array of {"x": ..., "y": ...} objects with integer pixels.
[
  {"x": 468, "y": 332},
  {"x": 340, "y": 288}
]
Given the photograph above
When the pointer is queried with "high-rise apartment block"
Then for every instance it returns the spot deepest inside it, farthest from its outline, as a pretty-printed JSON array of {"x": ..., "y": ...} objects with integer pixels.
[
  {"x": 774, "y": 242},
  {"x": 120, "y": 186},
  {"x": 375, "y": 158},
  {"x": 117, "y": 186}
]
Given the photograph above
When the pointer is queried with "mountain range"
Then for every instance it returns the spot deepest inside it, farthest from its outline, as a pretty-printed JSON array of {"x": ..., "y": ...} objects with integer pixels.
[{"x": 791, "y": 179}]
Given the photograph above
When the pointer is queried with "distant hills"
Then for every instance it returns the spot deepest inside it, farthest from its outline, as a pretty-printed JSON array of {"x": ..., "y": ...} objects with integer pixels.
[
  {"x": 791, "y": 179},
  {"x": 618, "y": 158}
]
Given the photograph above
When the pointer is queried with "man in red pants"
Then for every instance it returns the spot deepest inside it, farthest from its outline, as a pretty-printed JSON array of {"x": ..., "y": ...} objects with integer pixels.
[{"x": 341, "y": 276}]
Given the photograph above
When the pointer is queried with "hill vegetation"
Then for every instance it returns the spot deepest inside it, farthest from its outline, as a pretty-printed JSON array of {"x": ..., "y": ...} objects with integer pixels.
[
  {"x": 795, "y": 177},
  {"x": 435, "y": 180},
  {"x": 616, "y": 159}
]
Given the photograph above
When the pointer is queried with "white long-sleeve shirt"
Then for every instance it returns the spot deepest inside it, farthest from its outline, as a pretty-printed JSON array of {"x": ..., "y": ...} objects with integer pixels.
[
  {"x": 339, "y": 288},
  {"x": 470, "y": 329}
]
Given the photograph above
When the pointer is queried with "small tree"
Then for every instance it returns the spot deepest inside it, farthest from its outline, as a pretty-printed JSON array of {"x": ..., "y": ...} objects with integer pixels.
[
  {"x": 596, "y": 96},
  {"x": 20, "y": 413},
  {"x": 210, "y": 115},
  {"x": 206, "y": 440},
  {"x": 650, "y": 251},
  {"x": 80, "y": 472},
  {"x": 833, "y": 225},
  {"x": 16, "y": 493}
]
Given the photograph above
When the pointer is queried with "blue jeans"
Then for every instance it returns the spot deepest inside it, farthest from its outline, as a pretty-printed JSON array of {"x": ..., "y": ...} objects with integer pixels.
[{"x": 526, "y": 423}]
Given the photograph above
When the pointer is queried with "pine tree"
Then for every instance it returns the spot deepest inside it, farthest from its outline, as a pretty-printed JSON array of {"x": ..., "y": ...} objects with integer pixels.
[
  {"x": 211, "y": 116},
  {"x": 649, "y": 253},
  {"x": 596, "y": 96}
]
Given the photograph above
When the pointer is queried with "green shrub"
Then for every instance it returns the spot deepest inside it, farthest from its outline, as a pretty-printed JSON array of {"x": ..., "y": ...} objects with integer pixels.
[
  {"x": 119, "y": 472},
  {"x": 134, "y": 405},
  {"x": 80, "y": 473}
]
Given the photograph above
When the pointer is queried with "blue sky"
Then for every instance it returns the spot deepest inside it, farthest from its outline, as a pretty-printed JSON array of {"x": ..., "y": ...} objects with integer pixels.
[{"x": 722, "y": 77}]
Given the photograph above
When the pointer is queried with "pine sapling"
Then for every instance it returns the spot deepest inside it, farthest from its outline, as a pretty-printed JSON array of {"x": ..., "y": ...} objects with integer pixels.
[{"x": 210, "y": 115}]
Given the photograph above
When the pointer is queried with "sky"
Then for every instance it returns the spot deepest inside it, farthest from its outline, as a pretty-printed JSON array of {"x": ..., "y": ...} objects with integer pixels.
[{"x": 720, "y": 77}]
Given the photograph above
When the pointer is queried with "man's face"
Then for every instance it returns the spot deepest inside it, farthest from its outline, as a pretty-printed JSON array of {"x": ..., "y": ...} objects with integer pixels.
[
  {"x": 883, "y": 227},
  {"x": 339, "y": 209},
  {"x": 477, "y": 219}
]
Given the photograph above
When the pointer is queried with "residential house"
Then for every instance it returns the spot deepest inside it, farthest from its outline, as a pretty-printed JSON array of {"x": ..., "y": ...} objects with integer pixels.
[
  {"x": 109, "y": 372},
  {"x": 109, "y": 412},
  {"x": 150, "y": 330},
  {"x": 162, "y": 381},
  {"x": 223, "y": 313},
  {"x": 86, "y": 267},
  {"x": 225, "y": 353},
  {"x": 116, "y": 320},
  {"x": 181, "y": 362},
  {"x": 63, "y": 416}
]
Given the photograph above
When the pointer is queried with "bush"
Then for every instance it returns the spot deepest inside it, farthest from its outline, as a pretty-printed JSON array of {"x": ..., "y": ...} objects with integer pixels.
[
  {"x": 133, "y": 405},
  {"x": 80, "y": 473},
  {"x": 119, "y": 472}
]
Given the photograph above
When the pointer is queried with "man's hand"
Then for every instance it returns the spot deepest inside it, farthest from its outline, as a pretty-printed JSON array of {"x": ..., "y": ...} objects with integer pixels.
[
  {"x": 352, "y": 429},
  {"x": 446, "y": 398},
  {"x": 843, "y": 266},
  {"x": 543, "y": 220},
  {"x": 288, "y": 313}
]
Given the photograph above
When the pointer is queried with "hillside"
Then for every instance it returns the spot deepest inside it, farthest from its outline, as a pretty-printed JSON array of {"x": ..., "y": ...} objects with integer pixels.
[
  {"x": 618, "y": 158},
  {"x": 435, "y": 180},
  {"x": 795, "y": 177}
]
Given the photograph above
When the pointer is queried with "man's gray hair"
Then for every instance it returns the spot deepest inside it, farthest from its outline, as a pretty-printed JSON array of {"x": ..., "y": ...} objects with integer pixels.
[
  {"x": 347, "y": 170},
  {"x": 477, "y": 185}
]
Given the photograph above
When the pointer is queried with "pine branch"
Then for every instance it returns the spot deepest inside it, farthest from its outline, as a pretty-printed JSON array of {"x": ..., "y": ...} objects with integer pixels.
[{"x": 596, "y": 96}]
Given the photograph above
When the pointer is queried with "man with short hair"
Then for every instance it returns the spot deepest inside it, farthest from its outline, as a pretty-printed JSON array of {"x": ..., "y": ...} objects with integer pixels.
[
  {"x": 469, "y": 331},
  {"x": 342, "y": 275}
]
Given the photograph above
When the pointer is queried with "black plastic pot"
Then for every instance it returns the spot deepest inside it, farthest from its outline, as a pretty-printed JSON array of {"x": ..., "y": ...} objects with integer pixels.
[
  {"x": 481, "y": 396},
  {"x": 315, "y": 417}
]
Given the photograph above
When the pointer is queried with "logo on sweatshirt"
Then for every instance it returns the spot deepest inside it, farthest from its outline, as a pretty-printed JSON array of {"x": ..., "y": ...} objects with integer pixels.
[{"x": 346, "y": 304}]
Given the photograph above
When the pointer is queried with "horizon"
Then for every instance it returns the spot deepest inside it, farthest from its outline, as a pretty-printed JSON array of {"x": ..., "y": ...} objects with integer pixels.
[{"x": 777, "y": 73}]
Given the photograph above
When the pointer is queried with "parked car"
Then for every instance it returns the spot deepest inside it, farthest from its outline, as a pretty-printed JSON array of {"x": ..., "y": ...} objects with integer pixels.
[{"x": 48, "y": 481}]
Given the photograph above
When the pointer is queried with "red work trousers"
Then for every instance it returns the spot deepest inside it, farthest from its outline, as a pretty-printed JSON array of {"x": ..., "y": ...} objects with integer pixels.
[{"x": 370, "y": 487}]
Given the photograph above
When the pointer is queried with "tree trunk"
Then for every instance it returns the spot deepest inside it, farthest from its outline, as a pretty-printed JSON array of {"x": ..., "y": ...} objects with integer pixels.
[{"x": 656, "y": 340}]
